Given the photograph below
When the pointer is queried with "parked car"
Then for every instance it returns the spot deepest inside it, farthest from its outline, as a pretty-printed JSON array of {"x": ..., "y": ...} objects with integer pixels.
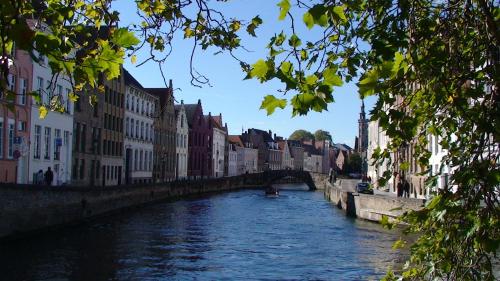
[{"x": 364, "y": 187}]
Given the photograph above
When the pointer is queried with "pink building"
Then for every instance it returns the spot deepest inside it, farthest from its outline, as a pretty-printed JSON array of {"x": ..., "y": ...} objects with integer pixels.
[{"x": 15, "y": 121}]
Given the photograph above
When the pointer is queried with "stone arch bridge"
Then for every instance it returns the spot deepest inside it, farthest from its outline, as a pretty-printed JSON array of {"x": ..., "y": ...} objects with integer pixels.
[{"x": 267, "y": 178}]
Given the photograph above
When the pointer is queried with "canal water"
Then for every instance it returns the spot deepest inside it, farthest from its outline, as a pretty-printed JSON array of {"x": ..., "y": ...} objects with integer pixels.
[{"x": 241, "y": 235}]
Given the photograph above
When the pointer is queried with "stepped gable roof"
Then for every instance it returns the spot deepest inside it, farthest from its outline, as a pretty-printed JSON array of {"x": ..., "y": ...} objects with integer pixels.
[
  {"x": 236, "y": 139},
  {"x": 216, "y": 121},
  {"x": 190, "y": 111},
  {"x": 130, "y": 80}
]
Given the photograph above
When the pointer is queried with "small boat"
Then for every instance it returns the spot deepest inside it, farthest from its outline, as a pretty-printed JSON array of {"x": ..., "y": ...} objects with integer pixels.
[{"x": 272, "y": 191}]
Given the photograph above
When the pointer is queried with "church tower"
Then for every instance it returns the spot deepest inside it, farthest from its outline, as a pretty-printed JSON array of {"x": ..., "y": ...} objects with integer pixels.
[{"x": 362, "y": 141}]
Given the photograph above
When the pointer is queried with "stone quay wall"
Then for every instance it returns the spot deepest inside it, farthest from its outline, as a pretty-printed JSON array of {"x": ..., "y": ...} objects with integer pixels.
[
  {"x": 370, "y": 207},
  {"x": 26, "y": 209}
]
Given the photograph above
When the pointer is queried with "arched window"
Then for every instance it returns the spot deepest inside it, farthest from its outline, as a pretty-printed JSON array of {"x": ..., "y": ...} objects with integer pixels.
[
  {"x": 137, "y": 105},
  {"x": 142, "y": 130},
  {"x": 133, "y": 104},
  {"x": 132, "y": 127},
  {"x": 137, "y": 128},
  {"x": 136, "y": 160},
  {"x": 126, "y": 126}
]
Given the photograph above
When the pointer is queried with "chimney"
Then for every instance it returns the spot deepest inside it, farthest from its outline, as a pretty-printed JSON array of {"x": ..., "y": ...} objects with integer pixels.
[
  {"x": 210, "y": 114},
  {"x": 199, "y": 101},
  {"x": 170, "y": 84},
  {"x": 182, "y": 101},
  {"x": 274, "y": 136},
  {"x": 270, "y": 133}
]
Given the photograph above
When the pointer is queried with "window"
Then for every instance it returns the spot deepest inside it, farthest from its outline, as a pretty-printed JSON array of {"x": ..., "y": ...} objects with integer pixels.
[
  {"x": 21, "y": 126},
  {"x": 137, "y": 128},
  {"x": 68, "y": 101},
  {"x": 60, "y": 91},
  {"x": 136, "y": 160},
  {"x": 47, "y": 143},
  {"x": 132, "y": 127},
  {"x": 40, "y": 89},
  {"x": 137, "y": 105},
  {"x": 97, "y": 169},
  {"x": 141, "y": 167},
  {"x": 82, "y": 168},
  {"x": 436, "y": 145},
  {"x": 142, "y": 130},
  {"x": 24, "y": 91},
  {"x": 105, "y": 147},
  {"x": 83, "y": 137},
  {"x": 133, "y": 103},
  {"x": 38, "y": 139},
  {"x": 127, "y": 101},
  {"x": 11, "y": 79},
  {"x": 126, "y": 127},
  {"x": 66, "y": 138},
  {"x": 57, "y": 144}
]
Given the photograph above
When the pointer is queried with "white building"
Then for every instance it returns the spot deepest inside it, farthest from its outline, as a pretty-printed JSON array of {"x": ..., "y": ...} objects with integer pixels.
[
  {"x": 250, "y": 158},
  {"x": 287, "y": 159},
  {"x": 51, "y": 144},
  {"x": 436, "y": 163},
  {"x": 218, "y": 145},
  {"x": 313, "y": 158},
  {"x": 233, "y": 160},
  {"x": 377, "y": 138},
  {"x": 181, "y": 147},
  {"x": 139, "y": 134}
]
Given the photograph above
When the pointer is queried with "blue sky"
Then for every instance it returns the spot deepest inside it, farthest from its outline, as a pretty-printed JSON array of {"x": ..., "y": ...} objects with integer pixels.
[{"x": 239, "y": 100}]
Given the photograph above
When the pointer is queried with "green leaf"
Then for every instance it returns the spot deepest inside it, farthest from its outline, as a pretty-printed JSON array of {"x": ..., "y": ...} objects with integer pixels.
[
  {"x": 259, "y": 70},
  {"x": 294, "y": 41},
  {"x": 43, "y": 112},
  {"x": 284, "y": 8},
  {"x": 286, "y": 67},
  {"x": 72, "y": 97},
  {"x": 311, "y": 80},
  {"x": 338, "y": 13},
  {"x": 270, "y": 103},
  {"x": 235, "y": 25},
  {"x": 188, "y": 32},
  {"x": 308, "y": 20},
  {"x": 318, "y": 13},
  {"x": 124, "y": 38},
  {"x": 36, "y": 96},
  {"x": 330, "y": 77}
]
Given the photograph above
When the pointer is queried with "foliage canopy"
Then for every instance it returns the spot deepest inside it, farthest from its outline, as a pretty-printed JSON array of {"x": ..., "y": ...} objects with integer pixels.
[
  {"x": 301, "y": 135},
  {"x": 434, "y": 66},
  {"x": 321, "y": 135}
]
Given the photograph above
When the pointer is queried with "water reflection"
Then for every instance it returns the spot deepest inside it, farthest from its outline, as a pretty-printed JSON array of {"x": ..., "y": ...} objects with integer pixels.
[{"x": 240, "y": 235}]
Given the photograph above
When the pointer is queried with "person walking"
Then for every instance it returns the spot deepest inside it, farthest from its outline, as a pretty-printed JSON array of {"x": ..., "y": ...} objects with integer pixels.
[
  {"x": 39, "y": 177},
  {"x": 49, "y": 177},
  {"x": 406, "y": 189},
  {"x": 399, "y": 187}
]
